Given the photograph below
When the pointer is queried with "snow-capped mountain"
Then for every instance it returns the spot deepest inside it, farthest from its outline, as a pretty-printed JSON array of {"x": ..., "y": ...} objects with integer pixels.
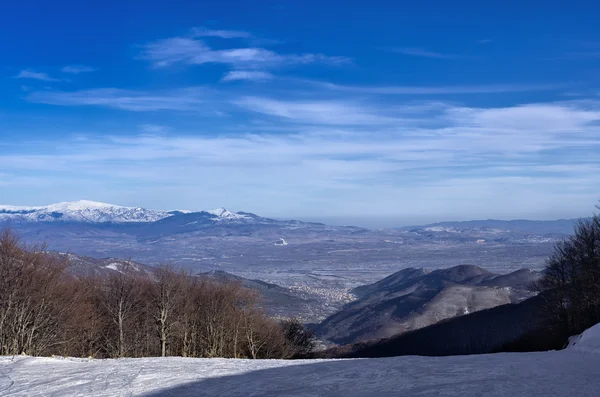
[
  {"x": 224, "y": 214},
  {"x": 95, "y": 212},
  {"x": 81, "y": 211}
]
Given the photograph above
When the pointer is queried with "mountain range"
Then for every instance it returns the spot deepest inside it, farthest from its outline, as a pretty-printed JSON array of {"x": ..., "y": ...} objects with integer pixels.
[
  {"x": 86, "y": 211},
  {"x": 415, "y": 298},
  {"x": 560, "y": 226},
  {"x": 316, "y": 258}
]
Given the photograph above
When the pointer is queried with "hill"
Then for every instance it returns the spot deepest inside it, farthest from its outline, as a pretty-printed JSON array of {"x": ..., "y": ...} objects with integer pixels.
[
  {"x": 276, "y": 300},
  {"x": 415, "y": 298},
  {"x": 560, "y": 226},
  {"x": 510, "y": 327}
]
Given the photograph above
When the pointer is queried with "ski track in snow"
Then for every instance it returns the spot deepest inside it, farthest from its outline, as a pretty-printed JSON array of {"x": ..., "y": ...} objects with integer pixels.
[{"x": 564, "y": 373}]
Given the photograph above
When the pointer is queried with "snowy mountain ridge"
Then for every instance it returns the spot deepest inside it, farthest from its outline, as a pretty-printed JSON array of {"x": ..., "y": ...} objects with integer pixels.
[
  {"x": 224, "y": 214},
  {"x": 96, "y": 212}
]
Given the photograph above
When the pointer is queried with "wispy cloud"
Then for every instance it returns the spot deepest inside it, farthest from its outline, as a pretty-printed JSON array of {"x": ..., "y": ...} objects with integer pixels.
[
  {"x": 231, "y": 34},
  {"x": 251, "y": 75},
  {"x": 484, "y": 41},
  {"x": 317, "y": 111},
  {"x": 505, "y": 160},
  {"x": 420, "y": 52},
  {"x": 30, "y": 74},
  {"x": 154, "y": 128},
  {"x": 437, "y": 90},
  {"x": 339, "y": 108},
  {"x": 189, "y": 51},
  {"x": 76, "y": 69},
  {"x": 223, "y": 34},
  {"x": 186, "y": 99}
]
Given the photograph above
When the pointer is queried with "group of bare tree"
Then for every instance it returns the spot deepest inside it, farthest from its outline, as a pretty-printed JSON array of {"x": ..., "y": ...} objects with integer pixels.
[
  {"x": 45, "y": 310},
  {"x": 571, "y": 282},
  {"x": 34, "y": 298}
]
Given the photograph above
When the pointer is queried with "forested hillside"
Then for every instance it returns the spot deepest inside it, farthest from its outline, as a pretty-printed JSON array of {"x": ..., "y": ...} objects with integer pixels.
[{"x": 45, "y": 309}]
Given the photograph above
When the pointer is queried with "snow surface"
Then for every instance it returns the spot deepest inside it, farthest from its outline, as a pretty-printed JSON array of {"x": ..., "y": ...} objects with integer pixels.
[
  {"x": 442, "y": 229},
  {"x": 588, "y": 342},
  {"x": 113, "y": 266},
  {"x": 571, "y": 372}
]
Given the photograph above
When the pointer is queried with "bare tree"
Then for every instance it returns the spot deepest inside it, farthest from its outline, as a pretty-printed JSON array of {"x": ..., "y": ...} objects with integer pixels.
[
  {"x": 120, "y": 297},
  {"x": 46, "y": 310},
  {"x": 166, "y": 297},
  {"x": 571, "y": 281},
  {"x": 33, "y": 304}
]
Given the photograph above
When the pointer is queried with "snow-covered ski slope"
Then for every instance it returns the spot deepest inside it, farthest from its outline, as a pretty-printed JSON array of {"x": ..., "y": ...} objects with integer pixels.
[{"x": 574, "y": 372}]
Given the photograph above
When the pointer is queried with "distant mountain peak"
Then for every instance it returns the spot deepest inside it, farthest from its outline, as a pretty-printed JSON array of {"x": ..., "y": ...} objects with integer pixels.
[
  {"x": 81, "y": 211},
  {"x": 81, "y": 205},
  {"x": 223, "y": 213}
]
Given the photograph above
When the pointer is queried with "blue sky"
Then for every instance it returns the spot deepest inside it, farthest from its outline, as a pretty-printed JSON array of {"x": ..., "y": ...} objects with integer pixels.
[{"x": 384, "y": 114}]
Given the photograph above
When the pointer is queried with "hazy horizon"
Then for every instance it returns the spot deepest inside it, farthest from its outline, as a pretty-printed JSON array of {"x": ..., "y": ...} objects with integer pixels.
[{"x": 390, "y": 221}]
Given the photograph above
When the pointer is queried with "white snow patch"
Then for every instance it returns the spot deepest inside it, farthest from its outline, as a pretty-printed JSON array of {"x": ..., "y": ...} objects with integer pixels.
[
  {"x": 441, "y": 229},
  {"x": 282, "y": 242},
  {"x": 113, "y": 266},
  {"x": 588, "y": 341},
  {"x": 225, "y": 214}
]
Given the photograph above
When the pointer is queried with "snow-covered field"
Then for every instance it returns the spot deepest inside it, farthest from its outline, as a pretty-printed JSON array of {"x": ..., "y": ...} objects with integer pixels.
[{"x": 574, "y": 372}]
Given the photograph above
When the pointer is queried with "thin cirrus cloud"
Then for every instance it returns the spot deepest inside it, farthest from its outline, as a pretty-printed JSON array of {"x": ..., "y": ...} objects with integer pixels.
[
  {"x": 190, "y": 51},
  {"x": 31, "y": 74},
  {"x": 223, "y": 34},
  {"x": 154, "y": 128},
  {"x": 186, "y": 99},
  {"x": 527, "y": 153},
  {"x": 77, "y": 69},
  {"x": 437, "y": 90},
  {"x": 420, "y": 52},
  {"x": 196, "y": 97},
  {"x": 199, "y": 99},
  {"x": 248, "y": 75},
  {"x": 332, "y": 112},
  {"x": 231, "y": 34}
]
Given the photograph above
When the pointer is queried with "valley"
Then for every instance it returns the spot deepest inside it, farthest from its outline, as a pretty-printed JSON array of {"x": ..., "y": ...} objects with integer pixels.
[{"x": 319, "y": 264}]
